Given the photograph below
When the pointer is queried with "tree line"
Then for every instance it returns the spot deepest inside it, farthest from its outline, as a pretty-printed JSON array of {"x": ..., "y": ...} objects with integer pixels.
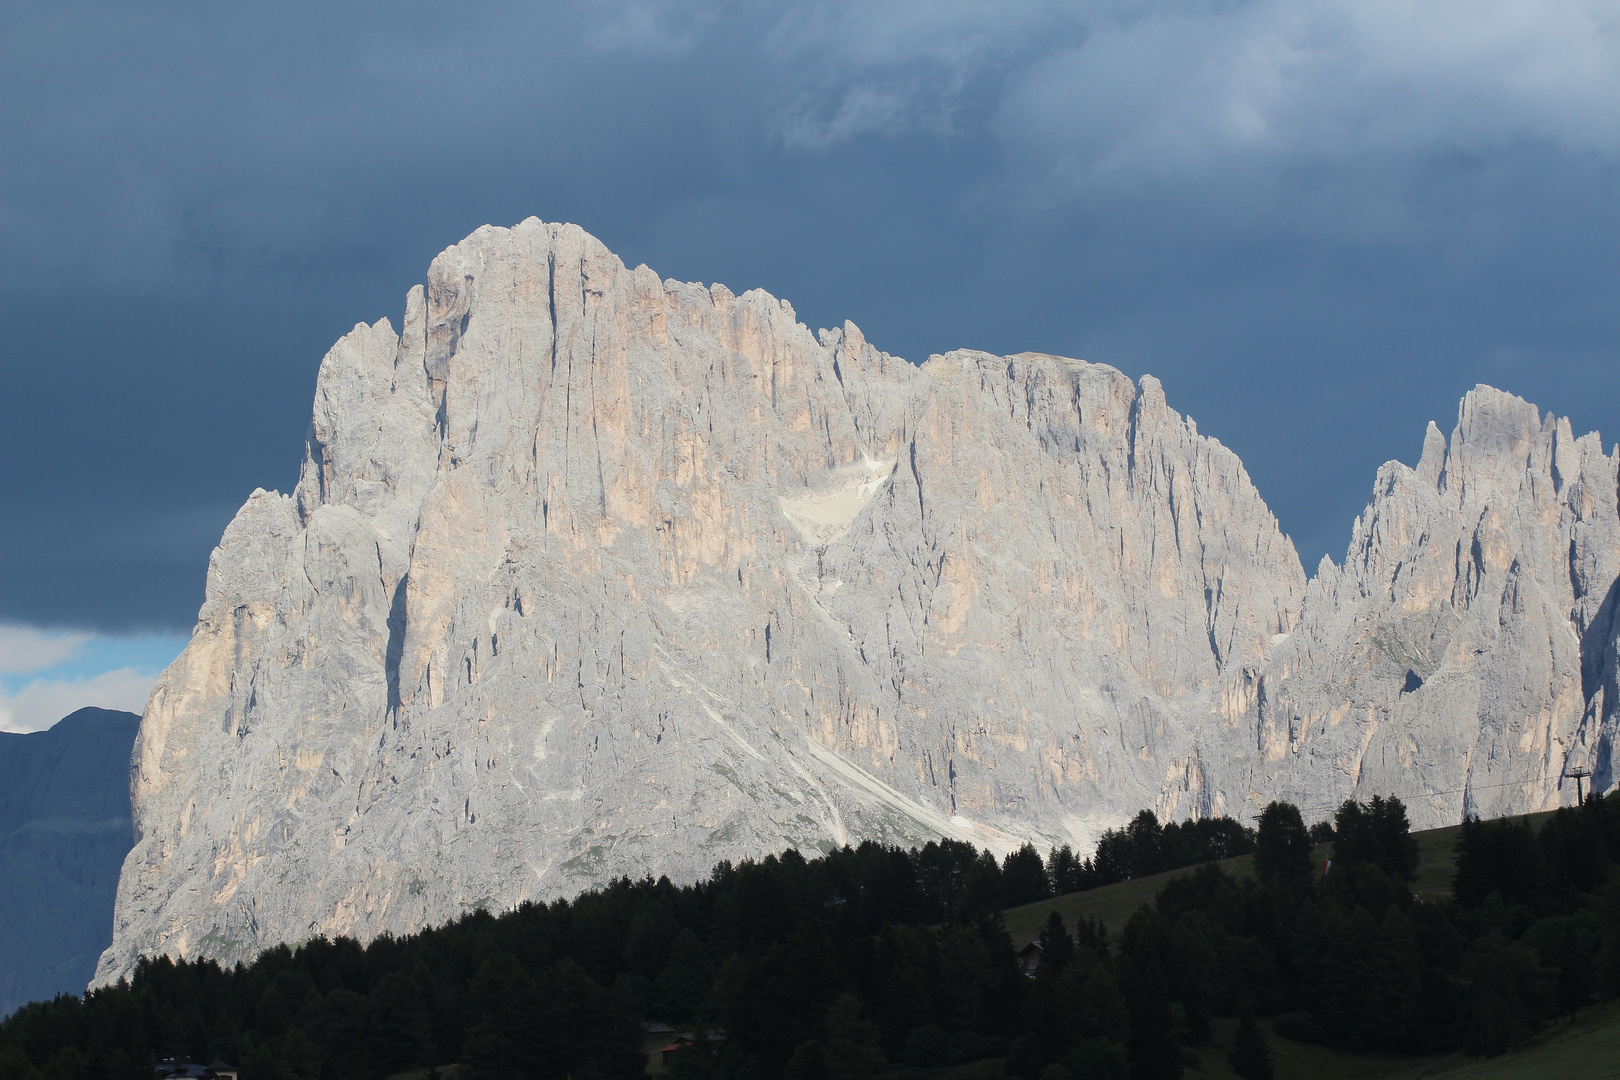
[{"x": 876, "y": 960}]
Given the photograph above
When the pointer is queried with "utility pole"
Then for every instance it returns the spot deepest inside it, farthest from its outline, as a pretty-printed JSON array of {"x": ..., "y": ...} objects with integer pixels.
[{"x": 1579, "y": 772}]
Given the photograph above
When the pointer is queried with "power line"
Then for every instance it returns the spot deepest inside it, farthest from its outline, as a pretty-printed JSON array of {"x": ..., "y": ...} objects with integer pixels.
[{"x": 1437, "y": 794}]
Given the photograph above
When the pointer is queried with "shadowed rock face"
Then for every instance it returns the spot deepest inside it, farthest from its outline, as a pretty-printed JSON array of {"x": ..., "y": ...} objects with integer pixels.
[
  {"x": 589, "y": 573},
  {"x": 64, "y": 832}
]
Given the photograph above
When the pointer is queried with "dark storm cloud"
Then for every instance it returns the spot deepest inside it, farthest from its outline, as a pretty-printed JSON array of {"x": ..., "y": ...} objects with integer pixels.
[{"x": 1319, "y": 222}]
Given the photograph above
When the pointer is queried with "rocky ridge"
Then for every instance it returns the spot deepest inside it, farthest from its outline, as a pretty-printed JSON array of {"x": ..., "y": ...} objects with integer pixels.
[
  {"x": 588, "y": 573},
  {"x": 1462, "y": 655},
  {"x": 64, "y": 832}
]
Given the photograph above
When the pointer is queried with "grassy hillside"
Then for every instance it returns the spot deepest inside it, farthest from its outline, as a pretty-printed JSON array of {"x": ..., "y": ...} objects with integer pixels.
[
  {"x": 1114, "y": 904},
  {"x": 1586, "y": 1048}
]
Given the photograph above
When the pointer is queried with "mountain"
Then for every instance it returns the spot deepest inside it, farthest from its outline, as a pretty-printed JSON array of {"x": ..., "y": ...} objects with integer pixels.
[
  {"x": 1464, "y": 652},
  {"x": 64, "y": 831},
  {"x": 588, "y": 573}
]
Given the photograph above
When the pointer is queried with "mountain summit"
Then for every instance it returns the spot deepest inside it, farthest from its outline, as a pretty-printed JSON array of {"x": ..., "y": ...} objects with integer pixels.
[{"x": 589, "y": 573}]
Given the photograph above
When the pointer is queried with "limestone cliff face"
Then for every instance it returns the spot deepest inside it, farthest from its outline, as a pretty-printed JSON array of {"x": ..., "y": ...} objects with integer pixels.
[
  {"x": 1458, "y": 655},
  {"x": 588, "y": 573}
]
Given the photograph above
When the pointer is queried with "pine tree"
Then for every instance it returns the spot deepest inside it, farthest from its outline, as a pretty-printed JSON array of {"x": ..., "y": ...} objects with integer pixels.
[
  {"x": 1063, "y": 871},
  {"x": 1147, "y": 844},
  {"x": 809, "y": 1062},
  {"x": 1056, "y": 948},
  {"x": 1023, "y": 877},
  {"x": 1283, "y": 846},
  {"x": 1250, "y": 1056},
  {"x": 1509, "y": 995},
  {"x": 1152, "y": 1048},
  {"x": 1091, "y": 934},
  {"x": 1101, "y": 1012},
  {"x": 1376, "y": 832},
  {"x": 683, "y": 985},
  {"x": 1502, "y": 856},
  {"x": 1606, "y": 966},
  {"x": 852, "y": 1040}
]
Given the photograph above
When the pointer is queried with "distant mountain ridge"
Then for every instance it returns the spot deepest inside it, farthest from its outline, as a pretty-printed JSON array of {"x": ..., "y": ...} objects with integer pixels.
[
  {"x": 64, "y": 830},
  {"x": 589, "y": 573}
]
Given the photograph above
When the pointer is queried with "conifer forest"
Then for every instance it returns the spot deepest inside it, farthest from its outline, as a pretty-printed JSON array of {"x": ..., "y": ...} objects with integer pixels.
[{"x": 877, "y": 961}]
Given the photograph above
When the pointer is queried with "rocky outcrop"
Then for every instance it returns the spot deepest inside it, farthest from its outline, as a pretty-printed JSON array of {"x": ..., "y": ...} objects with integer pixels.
[
  {"x": 1459, "y": 656},
  {"x": 589, "y": 573},
  {"x": 64, "y": 832}
]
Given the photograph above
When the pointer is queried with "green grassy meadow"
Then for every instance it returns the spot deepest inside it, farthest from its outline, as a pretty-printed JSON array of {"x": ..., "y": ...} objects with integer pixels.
[{"x": 1585, "y": 1048}]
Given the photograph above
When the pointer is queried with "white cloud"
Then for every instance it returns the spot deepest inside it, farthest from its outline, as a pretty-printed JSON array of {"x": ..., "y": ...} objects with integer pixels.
[
  {"x": 27, "y": 648},
  {"x": 846, "y": 70},
  {"x": 73, "y": 669},
  {"x": 652, "y": 28},
  {"x": 1174, "y": 91},
  {"x": 43, "y": 702},
  {"x": 1111, "y": 90}
]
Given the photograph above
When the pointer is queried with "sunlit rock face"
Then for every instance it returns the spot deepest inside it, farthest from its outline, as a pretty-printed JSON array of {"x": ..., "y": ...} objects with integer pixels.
[
  {"x": 1463, "y": 654},
  {"x": 589, "y": 574}
]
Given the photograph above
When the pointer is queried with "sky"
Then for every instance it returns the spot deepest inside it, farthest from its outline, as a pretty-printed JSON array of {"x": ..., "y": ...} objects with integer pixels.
[{"x": 1318, "y": 222}]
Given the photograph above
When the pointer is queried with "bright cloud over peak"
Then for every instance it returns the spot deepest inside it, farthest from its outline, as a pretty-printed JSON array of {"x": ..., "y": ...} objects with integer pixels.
[{"x": 47, "y": 674}]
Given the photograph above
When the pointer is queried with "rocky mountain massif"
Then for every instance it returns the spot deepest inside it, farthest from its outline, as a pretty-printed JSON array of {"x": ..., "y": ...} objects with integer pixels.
[
  {"x": 64, "y": 832},
  {"x": 589, "y": 573}
]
